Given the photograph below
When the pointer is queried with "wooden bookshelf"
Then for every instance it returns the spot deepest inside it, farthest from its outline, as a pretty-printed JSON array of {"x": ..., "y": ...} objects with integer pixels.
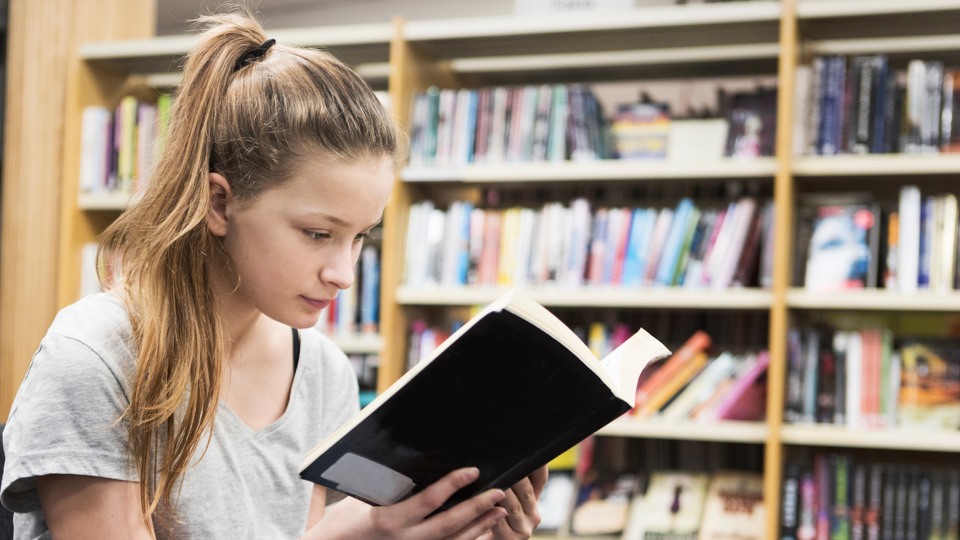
[{"x": 756, "y": 38}]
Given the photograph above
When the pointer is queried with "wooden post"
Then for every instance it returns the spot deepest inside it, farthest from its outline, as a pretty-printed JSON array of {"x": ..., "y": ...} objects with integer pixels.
[{"x": 42, "y": 67}]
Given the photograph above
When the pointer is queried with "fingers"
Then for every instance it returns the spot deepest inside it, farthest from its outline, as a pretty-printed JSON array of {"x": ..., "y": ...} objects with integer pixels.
[
  {"x": 539, "y": 479},
  {"x": 465, "y": 521},
  {"x": 520, "y": 503},
  {"x": 433, "y": 497}
]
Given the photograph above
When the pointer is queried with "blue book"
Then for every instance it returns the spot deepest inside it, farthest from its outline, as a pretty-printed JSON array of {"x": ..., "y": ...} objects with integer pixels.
[
  {"x": 370, "y": 289},
  {"x": 648, "y": 223},
  {"x": 927, "y": 227},
  {"x": 673, "y": 244}
]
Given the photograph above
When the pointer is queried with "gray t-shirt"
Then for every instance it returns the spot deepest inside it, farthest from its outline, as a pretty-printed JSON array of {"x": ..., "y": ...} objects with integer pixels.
[{"x": 64, "y": 421}]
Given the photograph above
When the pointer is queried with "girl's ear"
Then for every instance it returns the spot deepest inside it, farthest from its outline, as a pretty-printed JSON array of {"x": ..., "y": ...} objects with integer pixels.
[{"x": 217, "y": 221}]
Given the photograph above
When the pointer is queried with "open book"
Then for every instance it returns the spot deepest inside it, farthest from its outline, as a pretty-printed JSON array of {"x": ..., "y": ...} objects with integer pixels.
[{"x": 506, "y": 393}]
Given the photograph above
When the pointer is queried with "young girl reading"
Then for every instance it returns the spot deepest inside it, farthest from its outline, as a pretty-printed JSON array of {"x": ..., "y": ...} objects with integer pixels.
[{"x": 180, "y": 403}]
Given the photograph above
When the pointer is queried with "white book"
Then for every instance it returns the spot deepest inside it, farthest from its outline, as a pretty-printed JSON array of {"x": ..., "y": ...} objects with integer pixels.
[
  {"x": 557, "y": 224},
  {"x": 521, "y": 270},
  {"x": 933, "y": 238},
  {"x": 948, "y": 245},
  {"x": 445, "y": 126},
  {"x": 539, "y": 250},
  {"x": 498, "y": 126},
  {"x": 801, "y": 113},
  {"x": 908, "y": 250},
  {"x": 93, "y": 149},
  {"x": 579, "y": 238},
  {"x": 475, "y": 246},
  {"x": 436, "y": 231},
  {"x": 415, "y": 256},
  {"x": 727, "y": 264}
]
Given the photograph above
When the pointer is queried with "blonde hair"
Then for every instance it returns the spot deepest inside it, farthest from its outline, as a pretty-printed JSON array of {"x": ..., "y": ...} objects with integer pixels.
[{"x": 253, "y": 124}]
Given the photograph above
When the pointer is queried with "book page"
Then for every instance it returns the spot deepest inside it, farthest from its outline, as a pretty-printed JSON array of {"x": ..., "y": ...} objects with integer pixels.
[{"x": 627, "y": 361}]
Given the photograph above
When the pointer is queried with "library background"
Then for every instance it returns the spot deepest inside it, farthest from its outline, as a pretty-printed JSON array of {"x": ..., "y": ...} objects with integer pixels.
[{"x": 768, "y": 187}]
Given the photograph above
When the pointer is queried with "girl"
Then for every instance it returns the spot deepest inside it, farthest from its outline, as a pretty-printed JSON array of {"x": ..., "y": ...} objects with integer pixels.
[{"x": 180, "y": 403}]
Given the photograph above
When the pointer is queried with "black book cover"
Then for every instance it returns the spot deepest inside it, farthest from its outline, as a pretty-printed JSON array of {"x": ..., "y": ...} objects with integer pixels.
[{"x": 507, "y": 393}]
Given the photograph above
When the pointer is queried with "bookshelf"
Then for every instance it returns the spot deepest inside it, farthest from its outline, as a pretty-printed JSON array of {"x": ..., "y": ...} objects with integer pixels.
[{"x": 756, "y": 38}]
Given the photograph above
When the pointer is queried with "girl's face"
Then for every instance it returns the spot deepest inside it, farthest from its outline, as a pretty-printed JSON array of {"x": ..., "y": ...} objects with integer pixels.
[{"x": 295, "y": 246}]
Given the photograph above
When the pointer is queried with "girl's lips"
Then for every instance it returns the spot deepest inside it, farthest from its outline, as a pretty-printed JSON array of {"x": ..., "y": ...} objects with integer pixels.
[{"x": 316, "y": 304}]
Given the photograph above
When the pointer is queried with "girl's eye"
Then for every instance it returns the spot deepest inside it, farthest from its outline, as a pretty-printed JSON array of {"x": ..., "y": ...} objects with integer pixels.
[
  {"x": 315, "y": 235},
  {"x": 361, "y": 237}
]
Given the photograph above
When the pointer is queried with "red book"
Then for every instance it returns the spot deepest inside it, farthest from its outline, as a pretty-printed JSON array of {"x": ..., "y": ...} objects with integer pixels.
[{"x": 698, "y": 342}]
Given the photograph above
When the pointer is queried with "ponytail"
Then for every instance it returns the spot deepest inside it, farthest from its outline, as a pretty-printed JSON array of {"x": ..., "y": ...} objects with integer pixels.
[{"x": 249, "y": 111}]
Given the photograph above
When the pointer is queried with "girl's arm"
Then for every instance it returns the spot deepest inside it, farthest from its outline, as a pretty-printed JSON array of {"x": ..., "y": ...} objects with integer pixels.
[{"x": 91, "y": 507}]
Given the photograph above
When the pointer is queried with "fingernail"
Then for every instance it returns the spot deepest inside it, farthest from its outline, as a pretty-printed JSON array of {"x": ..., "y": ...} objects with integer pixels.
[{"x": 472, "y": 473}]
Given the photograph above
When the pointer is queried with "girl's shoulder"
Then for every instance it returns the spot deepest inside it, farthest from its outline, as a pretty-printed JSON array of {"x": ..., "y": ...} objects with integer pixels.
[
  {"x": 99, "y": 322},
  {"x": 100, "y": 314}
]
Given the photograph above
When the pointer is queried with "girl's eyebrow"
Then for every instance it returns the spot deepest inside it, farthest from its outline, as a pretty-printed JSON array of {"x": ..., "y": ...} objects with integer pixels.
[{"x": 338, "y": 221}]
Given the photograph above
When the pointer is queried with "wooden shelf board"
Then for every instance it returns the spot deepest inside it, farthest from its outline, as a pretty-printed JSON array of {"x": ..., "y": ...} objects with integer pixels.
[
  {"x": 744, "y": 432},
  {"x": 878, "y": 164},
  {"x": 374, "y": 71},
  {"x": 655, "y": 27},
  {"x": 354, "y": 44},
  {"x": 816, "y": 9},
  {"x": 104, "y": 201},
  {"x": 358, "y": 343},
  {"x": 593, "y": 296},
  {"x": 888, "y": 45},
  {"x": 600, "y": 21},
  {"x": 602, "y": 59},
  {"x": 892, "y": 439},
  {"x": 594, "y": 170},
  {"x": 874, "y": 299}
]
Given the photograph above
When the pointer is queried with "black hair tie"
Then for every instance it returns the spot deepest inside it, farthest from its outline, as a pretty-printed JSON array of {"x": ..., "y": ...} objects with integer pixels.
[{"x": 254, "y": 54}]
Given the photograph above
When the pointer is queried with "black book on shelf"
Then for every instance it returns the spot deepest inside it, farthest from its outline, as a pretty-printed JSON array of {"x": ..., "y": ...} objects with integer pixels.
[{"x": 510, "y": 390}]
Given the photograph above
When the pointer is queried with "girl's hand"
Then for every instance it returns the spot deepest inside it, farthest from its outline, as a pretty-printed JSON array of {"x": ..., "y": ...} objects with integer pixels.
[
  {"x": 523, "y": 515},
  {"x": 407, "y": 520}
]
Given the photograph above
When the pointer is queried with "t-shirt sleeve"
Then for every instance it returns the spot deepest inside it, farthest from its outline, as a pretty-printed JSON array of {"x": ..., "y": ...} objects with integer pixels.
[{"x": 66, "y": 419}]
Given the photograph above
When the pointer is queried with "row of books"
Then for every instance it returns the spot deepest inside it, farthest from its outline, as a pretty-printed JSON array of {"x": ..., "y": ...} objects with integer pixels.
[
  {"x": 660, "y": 505},
  {"x": 695, "y": 385},
  {"x": 556, "y": 122},
  {"x": 573, "y": 245},
  {"x": 506, "y": 125},
  {"x": 744, "y": 126},
  {"x": 864, "y": 379},
  {"x": 850, "y": 241},
  {"x": 357, "y": 308},
  {"x": 366, "y": 367},
  {"x": 834, "y": 495},
  {"x": 861, "y": 105},
  {"x": 118, "y": 145}
]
